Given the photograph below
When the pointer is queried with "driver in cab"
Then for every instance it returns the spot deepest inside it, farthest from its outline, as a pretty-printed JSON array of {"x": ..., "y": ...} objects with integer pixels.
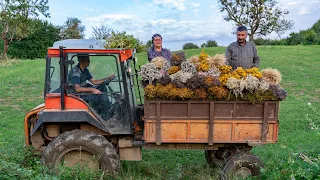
[{"x": 80, "y": 74}]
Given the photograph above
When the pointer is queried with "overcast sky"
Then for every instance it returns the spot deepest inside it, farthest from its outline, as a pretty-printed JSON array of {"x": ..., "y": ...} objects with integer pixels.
[{"x": 178, "y": 21}]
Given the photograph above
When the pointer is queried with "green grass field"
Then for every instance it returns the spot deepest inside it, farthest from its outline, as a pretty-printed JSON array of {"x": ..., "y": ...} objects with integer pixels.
[{"x": 296, "y": 155}]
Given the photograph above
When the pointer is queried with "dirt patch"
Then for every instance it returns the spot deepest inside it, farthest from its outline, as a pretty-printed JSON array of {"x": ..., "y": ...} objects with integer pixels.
[
  {"x": 14, "y": 102},
  {"x": 299, "y": 93},
  {"x": 15, "y": 107},
  {"x": 5, "y": 102},
  {"x": 8, "y": 62},
  {"x": 316, "y": 96}
]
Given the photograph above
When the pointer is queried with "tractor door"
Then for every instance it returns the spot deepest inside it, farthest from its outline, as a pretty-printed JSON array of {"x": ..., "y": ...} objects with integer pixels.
[{"x": 112, "y": 106}]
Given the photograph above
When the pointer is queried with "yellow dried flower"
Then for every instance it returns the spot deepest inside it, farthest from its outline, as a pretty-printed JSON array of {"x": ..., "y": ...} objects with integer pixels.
[
  {"x": 224, "y": 78},
  {"x": 185, "y": 93},
  {"x": 225, "y": 69},
  {"x": 150, "y": 92},
  {"x": 173, "y": 69},
  {"x": 204, "y": 66},
  {"x": 239, "y": 73},
  {"x": 203, "y": 56},
  {"x": 163, "y": 91},
  {"x": 218, "y": 92},
  {"x": 254, "y": 72},
  {"x": 200, "y": 94}
]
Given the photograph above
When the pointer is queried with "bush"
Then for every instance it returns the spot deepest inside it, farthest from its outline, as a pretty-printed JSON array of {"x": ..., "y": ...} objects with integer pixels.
[
  {"x": 309, "y": 37},
  {"x": 294, "y": 39},
  {"x": 261, "y": 41},
  {"x": 211, "y": 43},
  {"x": 122, "y": 40},
  {"x": 190, "y": 46},
  {"x": 316, "y": 27},
  {"x": 36, "y": 44}
]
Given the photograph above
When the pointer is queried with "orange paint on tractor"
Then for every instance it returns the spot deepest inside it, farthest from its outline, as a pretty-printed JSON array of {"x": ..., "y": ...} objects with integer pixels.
[
  {"x": 71, "y": 102},
  {"x": 26, "y": 118},
  {"x": 123, "y": 54}
]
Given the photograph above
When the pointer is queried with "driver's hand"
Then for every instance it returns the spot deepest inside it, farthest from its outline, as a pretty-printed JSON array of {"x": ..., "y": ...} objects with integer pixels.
[
  {"x": 96, "y": 91},
  {"x": 112, "y": 76}
]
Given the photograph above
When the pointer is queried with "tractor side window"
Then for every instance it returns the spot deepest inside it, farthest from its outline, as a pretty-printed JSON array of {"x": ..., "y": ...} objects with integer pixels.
[{"x": 53, "y": 75}]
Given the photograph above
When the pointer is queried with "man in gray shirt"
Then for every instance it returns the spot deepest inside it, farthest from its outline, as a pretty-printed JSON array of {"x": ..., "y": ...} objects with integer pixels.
[{"x": 242, "y": 53}]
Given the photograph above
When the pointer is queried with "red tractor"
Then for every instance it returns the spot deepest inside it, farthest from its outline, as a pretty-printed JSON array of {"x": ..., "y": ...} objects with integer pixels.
[{"x": 68, "y": 129}]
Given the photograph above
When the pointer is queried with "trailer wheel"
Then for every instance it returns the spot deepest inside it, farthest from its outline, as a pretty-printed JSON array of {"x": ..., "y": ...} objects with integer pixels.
[
  {"x": 216, "y": 158},
  {"x": 212, "y": 159},
  {"x": 84, "y": 148},
  {"x": 241, "y": 165}
]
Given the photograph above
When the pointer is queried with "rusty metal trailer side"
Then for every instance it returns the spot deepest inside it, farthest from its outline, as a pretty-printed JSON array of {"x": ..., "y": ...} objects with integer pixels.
[{"x": 211, "y": 122}]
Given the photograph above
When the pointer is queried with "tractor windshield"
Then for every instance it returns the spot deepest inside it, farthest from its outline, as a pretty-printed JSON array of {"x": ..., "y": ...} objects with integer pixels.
[{"x": 115, "y": 102}]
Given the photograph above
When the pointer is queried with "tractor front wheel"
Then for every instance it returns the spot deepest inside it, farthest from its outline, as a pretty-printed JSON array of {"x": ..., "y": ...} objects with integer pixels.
[{"x": 84, "y": 148}]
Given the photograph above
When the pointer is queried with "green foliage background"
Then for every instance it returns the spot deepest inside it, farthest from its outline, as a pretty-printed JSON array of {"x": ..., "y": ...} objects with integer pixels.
[{"x": 44, "y": 34}]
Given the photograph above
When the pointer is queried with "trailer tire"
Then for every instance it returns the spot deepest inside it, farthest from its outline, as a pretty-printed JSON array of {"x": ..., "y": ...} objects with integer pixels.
[
  {"x": 81, "y": 147},
  {"x": 241, "y": 165},
  {"x": 212, "y": 159},
  {"x": 217, "y": 158}
]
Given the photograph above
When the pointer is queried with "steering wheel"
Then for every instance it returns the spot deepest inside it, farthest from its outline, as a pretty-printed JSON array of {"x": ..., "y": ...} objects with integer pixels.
[{"x": 106, "y": 82}]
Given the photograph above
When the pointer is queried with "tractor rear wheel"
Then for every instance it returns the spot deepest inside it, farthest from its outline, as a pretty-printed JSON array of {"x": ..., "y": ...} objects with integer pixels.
[
  {"x": 241, "y": 165},
  {"x": 84, "y": 148}
]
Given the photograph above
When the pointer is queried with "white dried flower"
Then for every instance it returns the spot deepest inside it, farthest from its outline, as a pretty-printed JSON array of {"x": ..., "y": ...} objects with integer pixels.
[
  {"x": 264, "y": 85},
  {"x": 252, "y": 83},
  {"x": 188, "y": 67},
  {"x": 234, "y": 85},
  {"x": 181, "y": 76},
  {"x": 149, "y": 72},
  {"x": 214, "y": 71}
]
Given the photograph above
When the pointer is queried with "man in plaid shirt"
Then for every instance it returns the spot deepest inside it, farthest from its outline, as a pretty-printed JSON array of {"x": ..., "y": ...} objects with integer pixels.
[{"x": 242, "y": 53}]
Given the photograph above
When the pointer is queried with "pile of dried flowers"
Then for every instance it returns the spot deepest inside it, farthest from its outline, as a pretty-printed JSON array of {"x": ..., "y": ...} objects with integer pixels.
[{"x": 207, "y": 77}]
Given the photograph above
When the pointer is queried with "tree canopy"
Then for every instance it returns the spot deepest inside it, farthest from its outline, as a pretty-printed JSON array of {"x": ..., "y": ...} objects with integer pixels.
[
  {"x": 190, "y": 45},
  {"x": 209, "y": 43},
  {"x": 43, "y": 35},
  {"x": 261, "y": 17},
  {"x": 15, "y": 19},
  {"x": 72, "y": 29},
  {"x": 102, "y": 32}
]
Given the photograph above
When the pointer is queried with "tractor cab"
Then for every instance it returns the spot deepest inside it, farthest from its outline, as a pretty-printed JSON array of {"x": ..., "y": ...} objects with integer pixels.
[{"x": 111, "y": 112}]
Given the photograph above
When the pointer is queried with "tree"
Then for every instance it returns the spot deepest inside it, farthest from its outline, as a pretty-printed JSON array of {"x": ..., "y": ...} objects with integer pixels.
[
  {"x": 190, "y": 45},
  {"x": 316, "y": 27},
  {"x": 72, "y": 29},
  {"x": 102, "y": 32},
  {"x": 15, "y": 19},
  {"x": 294, "y": 39},
  {"x": 211, "y": 43},
  {"x": 125, "y": 41},
  {"x": 260, "y": 16},
  {"x": 43, "y": 35},
  {"x": 309, "y": 36},
  {"x": 149, "y": 44}
]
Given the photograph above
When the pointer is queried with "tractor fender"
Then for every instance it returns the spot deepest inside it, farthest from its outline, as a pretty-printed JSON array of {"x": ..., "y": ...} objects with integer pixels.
[{"x": 67, "y": 116}]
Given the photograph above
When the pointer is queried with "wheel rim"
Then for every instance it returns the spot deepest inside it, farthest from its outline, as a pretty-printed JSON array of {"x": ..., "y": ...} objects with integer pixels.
[
  {"x": 78, "y": 157},
  {"x": 243, "y": 172}
]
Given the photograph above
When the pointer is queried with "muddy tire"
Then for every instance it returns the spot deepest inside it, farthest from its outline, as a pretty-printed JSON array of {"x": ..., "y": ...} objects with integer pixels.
[
  {"x": 242, "y": 165},
  {"x": 81, "y": 147},
  {"x": 217, "y": 158}
]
